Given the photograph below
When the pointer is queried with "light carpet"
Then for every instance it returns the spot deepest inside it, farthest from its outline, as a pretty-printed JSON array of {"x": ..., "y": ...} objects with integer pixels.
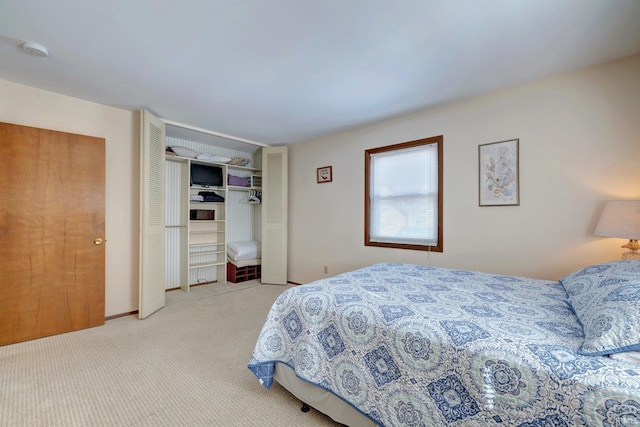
[{"x": 185, "y": 365}]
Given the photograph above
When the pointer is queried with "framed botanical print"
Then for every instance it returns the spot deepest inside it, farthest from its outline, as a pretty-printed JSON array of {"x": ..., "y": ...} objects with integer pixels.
[{"x": 499, "y": 173}]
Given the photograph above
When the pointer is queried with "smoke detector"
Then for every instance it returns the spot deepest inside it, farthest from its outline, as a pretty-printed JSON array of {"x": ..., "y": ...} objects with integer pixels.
[{"x": 35, "y": 49}]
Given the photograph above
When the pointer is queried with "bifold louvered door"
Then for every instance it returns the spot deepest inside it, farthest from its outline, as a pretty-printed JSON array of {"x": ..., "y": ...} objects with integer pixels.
[
  {"x": 152, "y": 215},
  {"x": 274, "y": 214}
]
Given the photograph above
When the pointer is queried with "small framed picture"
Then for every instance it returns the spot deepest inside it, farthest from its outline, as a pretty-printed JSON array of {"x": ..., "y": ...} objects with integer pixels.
[
  {"x": 324, "y": 174},
  {"x": 499, "y": 173}
]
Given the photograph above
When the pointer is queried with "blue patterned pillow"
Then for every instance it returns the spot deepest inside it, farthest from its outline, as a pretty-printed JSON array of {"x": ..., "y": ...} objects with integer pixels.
[{"x": 606, "y": 300}]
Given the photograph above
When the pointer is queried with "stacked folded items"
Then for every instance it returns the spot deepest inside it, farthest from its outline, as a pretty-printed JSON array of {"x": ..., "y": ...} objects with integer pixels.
[
  {"x": 213, "y": 158},
  {"x": 242, "y": 254},
  {"x": 178, "y": 150},
  {"x": 239, "y": 161},
  {"x": 244, "y": 262},
  {"x": 238, "y": 181},
  {"x": 210, "y": 196}
]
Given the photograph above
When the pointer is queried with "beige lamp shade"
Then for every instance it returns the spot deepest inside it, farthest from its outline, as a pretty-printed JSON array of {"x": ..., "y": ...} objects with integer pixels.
[{"x": 620, "y": 218}]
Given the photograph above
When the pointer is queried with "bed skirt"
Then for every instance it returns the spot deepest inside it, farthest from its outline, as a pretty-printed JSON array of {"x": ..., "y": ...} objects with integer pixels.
[{"x": 319, "y": 399}]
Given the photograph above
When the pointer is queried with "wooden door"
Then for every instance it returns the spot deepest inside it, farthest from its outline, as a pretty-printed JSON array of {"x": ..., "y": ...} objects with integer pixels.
[
  {"x": 275, "y": 180},
  {"x": 52, "y": 261}
]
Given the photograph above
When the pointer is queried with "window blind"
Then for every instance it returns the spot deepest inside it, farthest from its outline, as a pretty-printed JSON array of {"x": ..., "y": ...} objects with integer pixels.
[{"x": 404, "y": 196}]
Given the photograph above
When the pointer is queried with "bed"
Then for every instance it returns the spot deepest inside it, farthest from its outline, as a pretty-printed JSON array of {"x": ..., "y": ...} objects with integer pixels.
[{"x": 409, "y": 345}]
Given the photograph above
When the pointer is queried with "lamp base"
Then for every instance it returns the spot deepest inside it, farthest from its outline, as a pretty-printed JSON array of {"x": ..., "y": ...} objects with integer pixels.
[{"x": 631, "y": 256}]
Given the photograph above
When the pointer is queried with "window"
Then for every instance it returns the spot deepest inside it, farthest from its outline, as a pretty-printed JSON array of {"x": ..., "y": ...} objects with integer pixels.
[{"x": 403, "y": 195}]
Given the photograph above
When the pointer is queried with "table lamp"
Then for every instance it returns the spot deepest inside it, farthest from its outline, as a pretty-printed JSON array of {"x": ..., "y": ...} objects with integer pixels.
[{"x": 621, "y": 218}]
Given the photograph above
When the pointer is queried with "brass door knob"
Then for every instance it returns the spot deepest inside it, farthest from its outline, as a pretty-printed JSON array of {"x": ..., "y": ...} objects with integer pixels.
[{"x": 98, "y": 241}]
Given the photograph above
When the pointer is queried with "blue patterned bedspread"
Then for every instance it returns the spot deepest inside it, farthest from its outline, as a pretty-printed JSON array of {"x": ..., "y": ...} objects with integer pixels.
[{"x": 411, "y": 345}]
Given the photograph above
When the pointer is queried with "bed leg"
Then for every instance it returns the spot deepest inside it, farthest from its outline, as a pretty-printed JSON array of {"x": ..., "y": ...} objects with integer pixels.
[{"x": 305, "y": 407}]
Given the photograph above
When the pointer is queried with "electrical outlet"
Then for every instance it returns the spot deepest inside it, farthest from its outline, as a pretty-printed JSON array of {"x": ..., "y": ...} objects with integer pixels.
[{"x": 326, "y": 270}]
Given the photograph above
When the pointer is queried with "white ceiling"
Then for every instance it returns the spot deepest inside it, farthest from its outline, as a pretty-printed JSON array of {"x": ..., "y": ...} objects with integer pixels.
[{"x": 285, "y": 71}]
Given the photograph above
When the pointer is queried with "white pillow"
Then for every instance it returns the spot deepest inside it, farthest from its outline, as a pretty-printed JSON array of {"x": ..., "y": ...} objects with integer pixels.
[
  {"x": 213, "y": 158},
  {"x": 184, "y": 152},
  {"x": 240, "y": 251}
]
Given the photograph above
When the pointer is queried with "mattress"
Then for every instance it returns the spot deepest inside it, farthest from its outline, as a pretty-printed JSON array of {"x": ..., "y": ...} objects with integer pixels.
[{"x": 323, "y": 400}]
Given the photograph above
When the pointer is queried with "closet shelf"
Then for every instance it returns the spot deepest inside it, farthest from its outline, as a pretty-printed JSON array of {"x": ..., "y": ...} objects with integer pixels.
[
  {"x": 244, "y": 168},
  {"x": 207, "y": 221},
  {"x": 206, "y": 264},
  {"x": 199, "y": 245},
  {"x": 206, "y": 253},
  {"x": 238, "y": 188},
  {"x": 200, "y": 204}
]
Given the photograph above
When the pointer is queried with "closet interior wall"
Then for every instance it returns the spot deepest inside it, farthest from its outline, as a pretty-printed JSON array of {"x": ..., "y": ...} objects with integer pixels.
[{"x": 242, "y": 220}]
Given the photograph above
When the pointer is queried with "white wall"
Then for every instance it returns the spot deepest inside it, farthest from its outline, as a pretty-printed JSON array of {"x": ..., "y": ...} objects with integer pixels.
[
  {"x": 28, "y": 106},
  {"x": 579, "y": 146}
]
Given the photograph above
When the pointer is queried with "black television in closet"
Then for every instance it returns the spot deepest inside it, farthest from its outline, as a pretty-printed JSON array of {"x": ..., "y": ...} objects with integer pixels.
[{"x": 206, "y": 176}]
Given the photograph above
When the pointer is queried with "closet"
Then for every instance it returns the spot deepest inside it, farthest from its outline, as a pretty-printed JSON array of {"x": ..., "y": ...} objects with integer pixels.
[
  {"x": 205, "y": 213},
  {"x": 184, "y": 239}
]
